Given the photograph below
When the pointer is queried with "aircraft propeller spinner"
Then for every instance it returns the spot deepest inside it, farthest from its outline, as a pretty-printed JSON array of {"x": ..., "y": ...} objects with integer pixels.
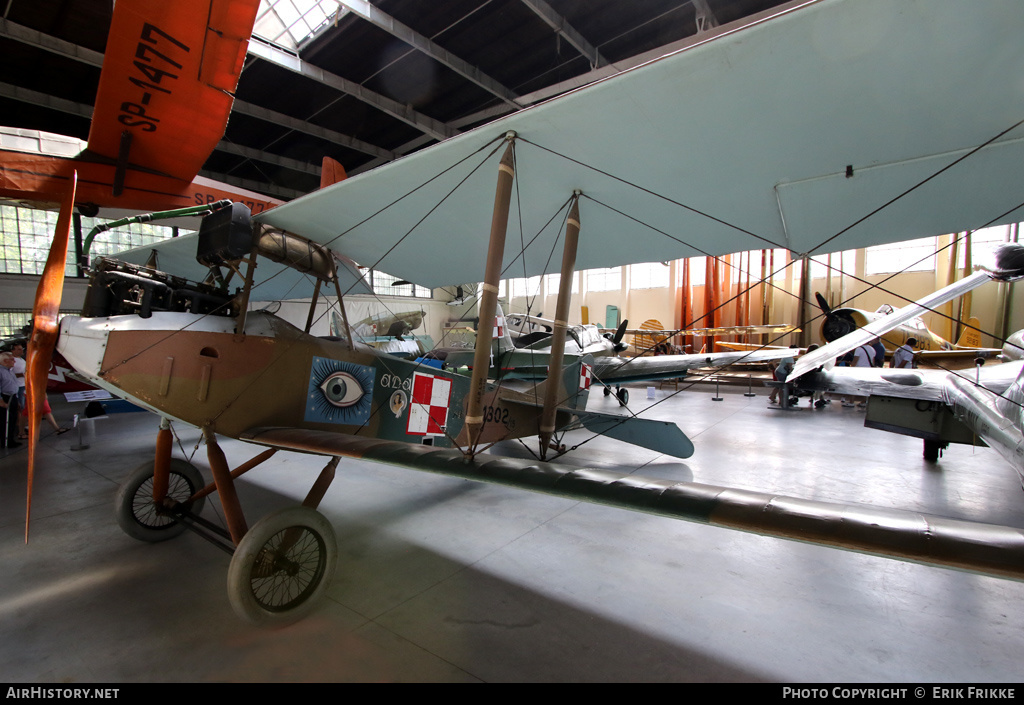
[
  {"x": 836, "y": 324},
  {"x": 44, "y": 331}
]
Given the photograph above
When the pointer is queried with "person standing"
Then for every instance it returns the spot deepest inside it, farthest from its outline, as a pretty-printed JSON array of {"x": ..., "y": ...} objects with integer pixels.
[
  {"x": 8, "y": 402},
  {"x": 903, "y": 358},
  {"x": 18, "y": 349},
  {"x": 780, "y": 373},
  {"x": 863, "y": 356}
]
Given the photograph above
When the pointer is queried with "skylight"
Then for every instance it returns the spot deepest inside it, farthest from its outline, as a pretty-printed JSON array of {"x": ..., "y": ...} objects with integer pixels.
[{"x": 288, "y": 23}]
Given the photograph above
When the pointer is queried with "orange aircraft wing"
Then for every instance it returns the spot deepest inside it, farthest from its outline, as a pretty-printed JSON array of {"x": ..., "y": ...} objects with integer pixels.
[{"x": 169, "y": 73}]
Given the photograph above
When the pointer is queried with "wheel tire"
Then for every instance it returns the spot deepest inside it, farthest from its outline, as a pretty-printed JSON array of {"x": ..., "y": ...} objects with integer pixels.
[
  {"x": 607, "y": 391},
  {"x": 623, "y": 396},
  {"x": 269, "y": 589},
  {"x": 933, "y": 451},
  {"x": 134, "y": 508}
]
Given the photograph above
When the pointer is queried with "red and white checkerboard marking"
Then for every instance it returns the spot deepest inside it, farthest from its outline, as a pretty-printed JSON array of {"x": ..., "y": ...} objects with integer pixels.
[
  {"x": 428, "y": 409},
  {"x": 586, "y": 376},
  {"x": 499, "y": 326}
]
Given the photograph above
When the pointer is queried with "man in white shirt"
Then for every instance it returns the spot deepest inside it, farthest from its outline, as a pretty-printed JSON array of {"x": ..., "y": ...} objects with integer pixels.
[
  {"x": 863, "y": 355},
  {"x": 904, "y": 355}
]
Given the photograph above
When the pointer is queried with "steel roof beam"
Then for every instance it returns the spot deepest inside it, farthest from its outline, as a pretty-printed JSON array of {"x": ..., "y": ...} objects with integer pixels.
[
  {"x": 435, "y": 128},
  {"x": 389, "y": 24},
  {"x": 566, "y": 31},
  {"x": 705, "y": 17},
  {"x": 249, "y": 109},
  {"x": 37, "y": 39}
]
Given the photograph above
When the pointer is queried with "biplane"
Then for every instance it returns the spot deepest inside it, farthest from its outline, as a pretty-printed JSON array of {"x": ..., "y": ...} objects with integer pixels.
[{"x": 868, "y": 107}]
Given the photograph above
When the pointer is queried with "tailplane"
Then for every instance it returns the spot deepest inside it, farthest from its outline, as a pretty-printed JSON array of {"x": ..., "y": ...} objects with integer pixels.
[{"x": 971, "y": 336}]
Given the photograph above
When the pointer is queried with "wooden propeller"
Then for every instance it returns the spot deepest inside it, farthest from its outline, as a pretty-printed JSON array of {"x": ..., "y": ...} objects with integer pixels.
[{"x": 44, "y": 331}]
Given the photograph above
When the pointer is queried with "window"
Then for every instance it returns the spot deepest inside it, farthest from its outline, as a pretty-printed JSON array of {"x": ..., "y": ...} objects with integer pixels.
[
  {"x": 524, "y": 287},
  {"x": 126, "y": 237},
  {"x": 604, "y": 279},
  {"x": 387, "y": 285},
  {"x": 552, "y": 283},
  {"x": 983, "y": 245},
  {"x": 841, "y": 263},
  {"x": 12, "y": 321},
  {"x": 698, "y": 270},
  {"x": 290, "y": 22},
  {"x": 909, "y": 256},
  {"x": 651, "y": 275},
  {"x": 25, "y": 238}
]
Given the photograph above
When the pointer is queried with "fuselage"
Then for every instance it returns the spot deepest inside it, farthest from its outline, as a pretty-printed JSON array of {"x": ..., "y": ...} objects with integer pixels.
[
  {"x": 194, "y": 368},
  {"x": 846, "y": 320}
]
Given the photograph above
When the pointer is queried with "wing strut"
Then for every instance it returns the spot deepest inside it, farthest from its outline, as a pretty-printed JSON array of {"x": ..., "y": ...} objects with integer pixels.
[
  {"x": 489, "y": 292},
  {"x": 554, "y": 384}
]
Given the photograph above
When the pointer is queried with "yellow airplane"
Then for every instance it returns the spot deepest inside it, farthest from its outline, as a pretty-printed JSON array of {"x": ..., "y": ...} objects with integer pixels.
[{"x": 841, "y": 321}]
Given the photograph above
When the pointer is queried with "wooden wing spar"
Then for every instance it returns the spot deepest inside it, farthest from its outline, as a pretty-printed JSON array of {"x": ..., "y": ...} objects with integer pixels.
[{"x": 730, "y": 144}]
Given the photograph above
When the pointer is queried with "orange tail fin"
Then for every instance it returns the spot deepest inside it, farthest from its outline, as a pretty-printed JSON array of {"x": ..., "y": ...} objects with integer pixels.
[{"x": 331, "y": 172}]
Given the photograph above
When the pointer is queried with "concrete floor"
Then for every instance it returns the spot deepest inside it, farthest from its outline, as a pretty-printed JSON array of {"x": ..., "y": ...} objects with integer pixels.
[{"x": 442, "y": 579}]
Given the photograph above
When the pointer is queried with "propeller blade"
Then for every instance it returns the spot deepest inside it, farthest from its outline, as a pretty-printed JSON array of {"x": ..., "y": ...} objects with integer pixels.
[
  {"x": 823, "y": 304},
  {"x": 617, "y": 343},
  {"x": 619, "y": 332},
  {"x": 44, "y": 331}
]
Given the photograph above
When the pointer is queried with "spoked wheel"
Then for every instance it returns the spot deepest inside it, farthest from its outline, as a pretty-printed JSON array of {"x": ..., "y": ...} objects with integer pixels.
[
  {"x": 138, "y": 515},
  {"x": 282, "y": 566}
]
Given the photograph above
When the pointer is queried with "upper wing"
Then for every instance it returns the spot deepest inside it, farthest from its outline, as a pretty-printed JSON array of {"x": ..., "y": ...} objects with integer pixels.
[
  {"x": 730, "y": 144},
  {"x": 169, "y": 73}
]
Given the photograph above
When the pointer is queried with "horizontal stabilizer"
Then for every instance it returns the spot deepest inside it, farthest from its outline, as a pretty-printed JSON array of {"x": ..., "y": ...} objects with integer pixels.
[{"x": 660, "y": 436}]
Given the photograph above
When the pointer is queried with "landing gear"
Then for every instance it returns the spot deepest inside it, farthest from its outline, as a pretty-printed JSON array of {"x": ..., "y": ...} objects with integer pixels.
[
  {"x": 281, "y": 566},
  {"x": 140, "y": 517},
  {"x": 933, "y": 450},
  {"x": 278, "y": 568},
  {"x": 621, "y": 394}
]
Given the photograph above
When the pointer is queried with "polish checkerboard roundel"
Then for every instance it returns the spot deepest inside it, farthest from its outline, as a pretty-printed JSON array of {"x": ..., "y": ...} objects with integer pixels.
[{"x": 428, "y": 408}]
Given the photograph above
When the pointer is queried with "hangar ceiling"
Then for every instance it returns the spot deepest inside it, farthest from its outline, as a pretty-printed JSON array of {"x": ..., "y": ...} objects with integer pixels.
[{"x": 361, "y": 82}]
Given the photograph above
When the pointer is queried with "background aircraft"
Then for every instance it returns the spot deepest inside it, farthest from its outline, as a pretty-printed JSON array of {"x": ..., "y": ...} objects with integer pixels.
[
  {"x": 937, "y": 406},
  {"x": 841, "y": 321},
  {"x": 165, "y": 93}
]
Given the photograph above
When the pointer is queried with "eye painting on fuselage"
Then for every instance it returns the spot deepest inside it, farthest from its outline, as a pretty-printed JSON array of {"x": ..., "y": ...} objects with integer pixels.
[{"x": 339, "y": 392}]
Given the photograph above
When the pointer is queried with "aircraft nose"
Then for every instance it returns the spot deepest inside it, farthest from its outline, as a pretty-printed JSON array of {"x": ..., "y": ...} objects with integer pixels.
[
  {"x": 82, "y": 342},
  {"x": 836, "y": 326}
]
